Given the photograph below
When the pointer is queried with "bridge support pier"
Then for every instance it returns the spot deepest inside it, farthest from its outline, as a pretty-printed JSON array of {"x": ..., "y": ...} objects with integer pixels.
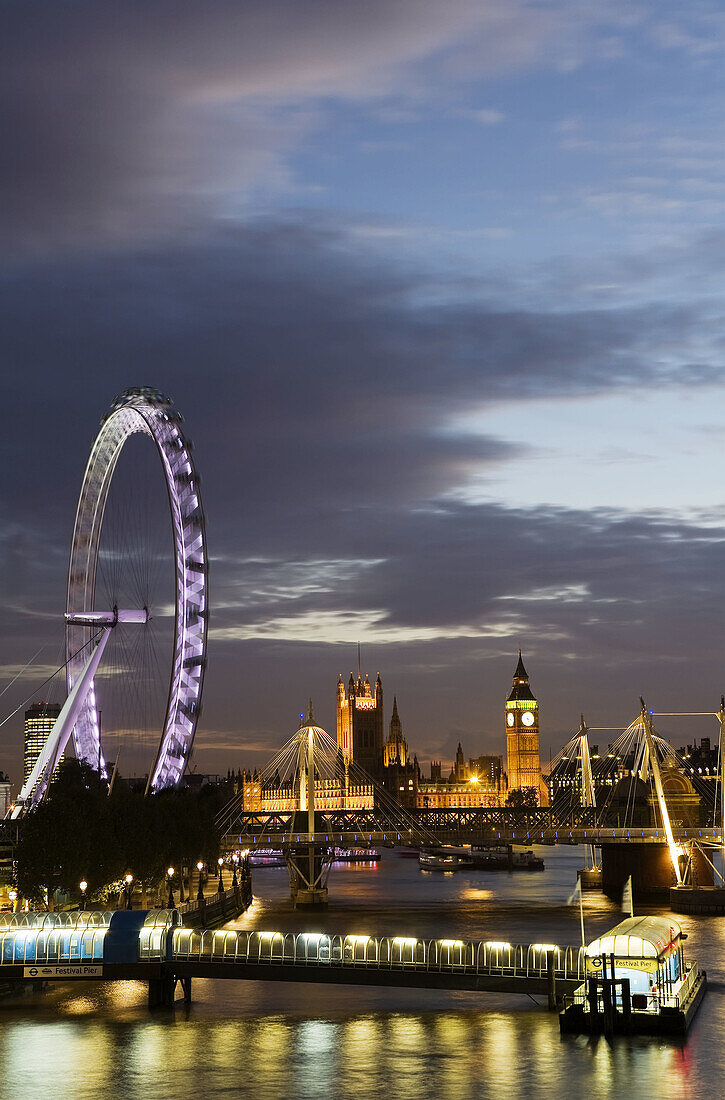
[
  {"x": 551, "y": 982},
  {"x": 651, "y": 869},
  {"x": 161, "y": 992},
  {"x": 309, "y": 867}
]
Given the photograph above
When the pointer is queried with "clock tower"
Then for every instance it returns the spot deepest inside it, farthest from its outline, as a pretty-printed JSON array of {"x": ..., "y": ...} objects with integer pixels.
[{"x": 522, "y": 736}]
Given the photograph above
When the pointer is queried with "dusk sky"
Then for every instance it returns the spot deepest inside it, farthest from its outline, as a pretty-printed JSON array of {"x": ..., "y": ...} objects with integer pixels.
[{"x": 438, "y": 290}]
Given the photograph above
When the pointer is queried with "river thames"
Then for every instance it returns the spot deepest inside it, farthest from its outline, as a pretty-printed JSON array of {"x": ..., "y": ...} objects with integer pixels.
[{"x": 279, "y": 1040}]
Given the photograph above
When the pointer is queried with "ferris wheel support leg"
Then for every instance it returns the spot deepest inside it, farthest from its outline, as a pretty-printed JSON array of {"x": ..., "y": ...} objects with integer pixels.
[{"x": 59, "y": 736}]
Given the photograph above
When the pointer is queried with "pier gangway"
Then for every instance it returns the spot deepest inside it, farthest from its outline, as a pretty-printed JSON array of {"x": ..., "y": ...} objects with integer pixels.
[
  {"x": 152, "y": 946},
  {"x": 485, "y": 966}
]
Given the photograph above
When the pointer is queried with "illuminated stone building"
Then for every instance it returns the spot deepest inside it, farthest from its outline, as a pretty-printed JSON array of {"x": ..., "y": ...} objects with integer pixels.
[
  {"x": 360, "y": 723},
  {"x": 39, "y": 721},
  {"x": 478, "y": 783},
  {"x": 523, "y": 763},
  {"x": 400, "y": 774},
  {"x": 267, "y": 796}
]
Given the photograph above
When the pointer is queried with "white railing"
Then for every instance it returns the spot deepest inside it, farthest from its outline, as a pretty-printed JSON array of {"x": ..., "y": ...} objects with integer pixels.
[
  {"x": 193, "y": 904},
  {"x": 387, "y": 952},
  {"x": 685, "y": 990}
]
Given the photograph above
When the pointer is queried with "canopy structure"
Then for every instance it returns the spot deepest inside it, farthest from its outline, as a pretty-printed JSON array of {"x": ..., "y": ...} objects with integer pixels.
[{"x": 637, "y": 938}]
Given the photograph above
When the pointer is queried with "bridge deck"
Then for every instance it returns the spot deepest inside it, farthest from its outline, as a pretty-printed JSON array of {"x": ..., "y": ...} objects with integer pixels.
[
  {"x": 478, "y": 825},
  {"x": 466, "y": 835}
]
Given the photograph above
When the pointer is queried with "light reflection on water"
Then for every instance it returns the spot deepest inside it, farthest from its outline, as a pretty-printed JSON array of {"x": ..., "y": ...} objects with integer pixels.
[{"x": 273, "y": 1040}]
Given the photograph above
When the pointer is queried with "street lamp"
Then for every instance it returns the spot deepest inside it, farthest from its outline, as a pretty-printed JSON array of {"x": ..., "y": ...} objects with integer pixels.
[
  {"x": 235, "y": 861},
  {"x": 129, "y": 901},
  {"x": 220, "y": 888},
  {"x": 200, "y": 891},
  {"x": 170, "y": 873},
  {"x": 83, "y": 887},
  {"x": 13, "y": 895}
]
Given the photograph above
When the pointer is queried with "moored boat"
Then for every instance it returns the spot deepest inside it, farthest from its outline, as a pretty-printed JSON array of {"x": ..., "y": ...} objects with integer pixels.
[
  {"x": 503, "y": 859},
  {"x": 267, "y": 857},
  {"x": 355, "y": 855},
  {"x": 445, "y": 859}
]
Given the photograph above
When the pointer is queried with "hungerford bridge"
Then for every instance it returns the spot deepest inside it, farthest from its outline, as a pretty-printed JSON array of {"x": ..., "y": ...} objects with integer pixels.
[{"x": 307, "y": 823}]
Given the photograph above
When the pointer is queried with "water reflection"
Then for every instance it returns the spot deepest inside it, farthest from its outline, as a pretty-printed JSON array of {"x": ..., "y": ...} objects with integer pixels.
[{"x": 274, "y": 1040}]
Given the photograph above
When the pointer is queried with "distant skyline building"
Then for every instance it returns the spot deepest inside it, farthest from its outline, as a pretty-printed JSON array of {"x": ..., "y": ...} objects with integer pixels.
[
  {"x": 470, "y": 785},
  {"x": 523, "y": 762},
  {"x": 39, "y": 721}
]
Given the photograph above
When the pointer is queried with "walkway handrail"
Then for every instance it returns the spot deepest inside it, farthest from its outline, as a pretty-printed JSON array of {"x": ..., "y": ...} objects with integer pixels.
[{"x": 386, "y": 952}]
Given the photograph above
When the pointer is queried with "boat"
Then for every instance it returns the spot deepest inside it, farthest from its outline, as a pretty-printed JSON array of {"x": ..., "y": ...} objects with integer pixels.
[
  {"x": 456, "y": 858},
  {"x": 267, "y": 857},
  {"x": 504, "y": 859},
  {"x": 355, "y": 855},
  {"x": 445, "y": 859},
  {"x": 637, "y": 981}
]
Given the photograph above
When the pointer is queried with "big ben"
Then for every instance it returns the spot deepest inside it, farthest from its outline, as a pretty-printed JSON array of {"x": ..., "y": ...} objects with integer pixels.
[{"x": 522, "y": 736}]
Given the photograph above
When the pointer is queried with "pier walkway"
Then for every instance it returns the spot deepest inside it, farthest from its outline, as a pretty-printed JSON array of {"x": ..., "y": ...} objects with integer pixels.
[{"x": 151, "y": 946}]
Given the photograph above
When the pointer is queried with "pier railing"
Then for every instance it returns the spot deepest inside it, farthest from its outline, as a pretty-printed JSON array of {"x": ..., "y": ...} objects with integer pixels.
[{"x": 304, "y": 949}]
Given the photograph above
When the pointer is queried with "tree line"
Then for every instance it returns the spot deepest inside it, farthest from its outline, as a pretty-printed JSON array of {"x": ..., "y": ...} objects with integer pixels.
[{"x": 81, "y": 833}]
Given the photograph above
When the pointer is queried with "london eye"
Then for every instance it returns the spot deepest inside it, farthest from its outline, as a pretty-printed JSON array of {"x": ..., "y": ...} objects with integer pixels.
[{"x": 145, "y": 412}]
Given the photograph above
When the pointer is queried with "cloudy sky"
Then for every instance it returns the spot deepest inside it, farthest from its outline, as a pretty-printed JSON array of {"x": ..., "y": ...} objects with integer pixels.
[{"x": 438, "y": 289}]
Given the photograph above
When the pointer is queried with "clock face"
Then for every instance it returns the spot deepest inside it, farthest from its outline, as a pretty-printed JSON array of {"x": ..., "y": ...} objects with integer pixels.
[
  {"x": 510, "y": 718},
  {"x": 527, "y": 718}
]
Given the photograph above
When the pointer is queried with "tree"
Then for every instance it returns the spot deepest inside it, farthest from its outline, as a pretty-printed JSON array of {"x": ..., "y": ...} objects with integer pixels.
[
  {"x": 69, "y": 836},
  {"x": 521, "y": 797}
]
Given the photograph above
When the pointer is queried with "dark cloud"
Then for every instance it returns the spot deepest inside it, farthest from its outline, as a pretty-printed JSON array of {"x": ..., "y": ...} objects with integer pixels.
[
  {"x": 312, "y": 375},
  {"x": 606, "y": 606},
  {"x": 321, "y": 397},
  {"x": 128, "y": 118}
]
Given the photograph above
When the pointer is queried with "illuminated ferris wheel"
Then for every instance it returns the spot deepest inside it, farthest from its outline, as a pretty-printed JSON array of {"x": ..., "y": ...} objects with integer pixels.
[{"x": 152, "y": 414}]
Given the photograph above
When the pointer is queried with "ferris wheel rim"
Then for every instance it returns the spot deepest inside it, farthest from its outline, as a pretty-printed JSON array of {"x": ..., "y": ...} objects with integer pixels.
[{"x": 150, "y": 412}]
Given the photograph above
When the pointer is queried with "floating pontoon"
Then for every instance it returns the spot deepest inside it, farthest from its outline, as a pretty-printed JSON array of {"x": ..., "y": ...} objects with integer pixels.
[{"x": 637, "y": 981}]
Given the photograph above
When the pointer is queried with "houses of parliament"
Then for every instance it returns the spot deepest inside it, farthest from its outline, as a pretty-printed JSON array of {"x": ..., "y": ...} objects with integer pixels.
[
  {"x": 476, "y": 781},
  {"x": 481, "y": 781}
]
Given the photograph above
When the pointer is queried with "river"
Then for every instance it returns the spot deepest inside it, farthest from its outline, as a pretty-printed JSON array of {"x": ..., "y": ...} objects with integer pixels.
[{"x": 278, "y": 1041}]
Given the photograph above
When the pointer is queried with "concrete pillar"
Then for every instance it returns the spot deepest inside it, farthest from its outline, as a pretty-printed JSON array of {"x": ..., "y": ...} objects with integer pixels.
[
  {"x": 161, "y": 992},
  {"x": 651, "y": 869},
  {"x": 649, "y": 865},
  {"x": 551, "y": 981}
]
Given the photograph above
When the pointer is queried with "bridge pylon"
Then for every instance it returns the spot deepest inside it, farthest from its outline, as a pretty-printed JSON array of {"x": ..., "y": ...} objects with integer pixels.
[
  {"x": 590, "y": 875},
  {"x": 308, "y": 863}
]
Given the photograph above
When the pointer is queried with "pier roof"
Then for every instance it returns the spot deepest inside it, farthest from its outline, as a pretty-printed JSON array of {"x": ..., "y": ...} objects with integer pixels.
[{"x": 637, "y": 938}]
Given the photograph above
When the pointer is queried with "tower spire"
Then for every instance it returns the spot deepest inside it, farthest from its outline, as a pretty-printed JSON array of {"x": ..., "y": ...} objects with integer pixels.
[{"x": 521, "y": 675}]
